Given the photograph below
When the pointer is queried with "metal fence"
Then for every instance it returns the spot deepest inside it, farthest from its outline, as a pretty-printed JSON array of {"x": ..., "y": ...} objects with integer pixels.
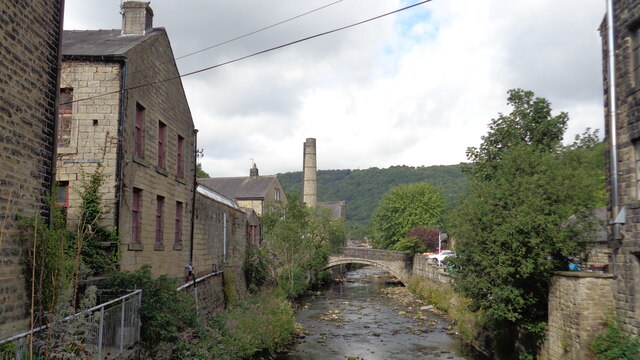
[{"x": 117, "y": 328}]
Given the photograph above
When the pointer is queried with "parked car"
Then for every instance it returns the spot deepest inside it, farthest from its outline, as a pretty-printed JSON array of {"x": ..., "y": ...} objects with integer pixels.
[{"x": 439, "y": 258}]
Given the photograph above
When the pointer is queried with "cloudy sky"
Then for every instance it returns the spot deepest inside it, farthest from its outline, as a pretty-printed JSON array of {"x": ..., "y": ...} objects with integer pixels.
[{"x": 415, "y": 88}]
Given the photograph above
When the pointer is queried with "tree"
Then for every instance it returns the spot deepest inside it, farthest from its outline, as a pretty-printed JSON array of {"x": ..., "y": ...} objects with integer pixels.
[
  {"x": 402, "y": 209},
  {"x": 301, "y": 239},
  {"x": 512, "y": 228},
  {"x": 201, "y": 174}
]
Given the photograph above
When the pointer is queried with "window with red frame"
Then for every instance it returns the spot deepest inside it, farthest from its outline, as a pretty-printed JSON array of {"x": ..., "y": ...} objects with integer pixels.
[
  {"x": 180, "y": 160},
  {"x": 162, "y": 138},
  {"x": 136, "y": 213},
  {"x": 178, "y": 223},
  {"x": 139, "y": 131},
  {"x": 159, "y": 211}
]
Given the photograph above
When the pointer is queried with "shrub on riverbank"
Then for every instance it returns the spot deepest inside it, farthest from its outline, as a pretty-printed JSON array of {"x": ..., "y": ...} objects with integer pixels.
[
  {"x": 263, "y": 323},
  {"x": 456, "y": 307}
]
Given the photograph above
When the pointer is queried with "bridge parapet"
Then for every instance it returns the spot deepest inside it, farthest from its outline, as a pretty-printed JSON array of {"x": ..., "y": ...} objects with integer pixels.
[{"x": 377, "y": 254}]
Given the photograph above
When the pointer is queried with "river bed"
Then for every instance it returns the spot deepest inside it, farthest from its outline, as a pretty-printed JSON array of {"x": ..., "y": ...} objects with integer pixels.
[{"x": 367, "y": 318}]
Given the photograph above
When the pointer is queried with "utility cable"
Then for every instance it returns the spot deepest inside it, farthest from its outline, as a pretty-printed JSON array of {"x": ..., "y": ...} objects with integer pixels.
[
  {"x": 253, "y": 54},
  {"x": 257, "y": 31}
]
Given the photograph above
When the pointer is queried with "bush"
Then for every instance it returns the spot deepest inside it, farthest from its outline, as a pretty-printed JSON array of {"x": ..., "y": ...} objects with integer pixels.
[
  {"x": 256, "y": 267},
  {"x": 164, "y": 312},
  {"x": 614, "y": 344},
  {"x": 261, "y": 325}
]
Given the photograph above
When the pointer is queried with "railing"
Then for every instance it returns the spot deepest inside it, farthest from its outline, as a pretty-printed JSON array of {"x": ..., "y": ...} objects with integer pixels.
[{"x": 118, "y": 328}]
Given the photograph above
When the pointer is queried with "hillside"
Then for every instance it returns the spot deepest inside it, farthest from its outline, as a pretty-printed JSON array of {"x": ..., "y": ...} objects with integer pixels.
[{"x": 362, "y": 189}]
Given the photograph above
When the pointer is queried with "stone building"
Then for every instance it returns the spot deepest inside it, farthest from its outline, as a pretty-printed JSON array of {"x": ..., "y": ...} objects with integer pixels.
[
  {"x": 124, "y": 109},
  {"x": 625, "y": 261},
  {"x": 252, "y": 191},
  {"x": 29, "y": 58}
]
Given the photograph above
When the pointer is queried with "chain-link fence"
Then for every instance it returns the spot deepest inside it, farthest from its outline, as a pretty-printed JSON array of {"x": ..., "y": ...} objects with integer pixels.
[{"x": 113, "y": 327}]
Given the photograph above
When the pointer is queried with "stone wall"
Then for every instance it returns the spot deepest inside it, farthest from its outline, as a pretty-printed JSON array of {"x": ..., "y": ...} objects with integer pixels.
[
  {"x": 209, "y": 245},
  {"x": 29, "y": 43},
  {"x": 578, "y": 302},
  {"x": 208, "y": 293},
  {"x": 424, "y": 267},
  {"x": 626, "y": 252}
]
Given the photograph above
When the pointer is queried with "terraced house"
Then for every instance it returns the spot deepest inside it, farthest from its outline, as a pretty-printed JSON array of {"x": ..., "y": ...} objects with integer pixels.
[
  {"x": 123, "y": 109},
  {"x": 29, "y": 49}
]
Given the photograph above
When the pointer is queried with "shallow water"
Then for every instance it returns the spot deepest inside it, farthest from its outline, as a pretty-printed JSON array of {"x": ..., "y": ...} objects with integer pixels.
[{"x": 366, "y": 318}]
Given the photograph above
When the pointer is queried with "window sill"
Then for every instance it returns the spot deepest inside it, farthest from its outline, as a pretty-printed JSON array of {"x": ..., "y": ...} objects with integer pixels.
[
  {"x": 161, "y": 171},
  {"x": 158, "y": 247},
  {"x": 181, "y": 180},
  {"x": 177, "y": 247},
  {"x": 135, "y": 247},
  {"x": 67, "y": 150},
  {"x": 140, "y": 161}
]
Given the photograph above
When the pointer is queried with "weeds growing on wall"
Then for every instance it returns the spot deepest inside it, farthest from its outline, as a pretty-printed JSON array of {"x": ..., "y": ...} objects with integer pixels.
[
  {"x": 229, "y": 289},
  {"x": 614, "y": 344},
  {"x": 262, "y": 324},
  {"x": 257, "y": 267}
]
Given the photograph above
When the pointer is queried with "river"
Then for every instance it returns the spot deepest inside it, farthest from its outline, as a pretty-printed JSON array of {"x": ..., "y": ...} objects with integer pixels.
[{"x": 366, "y": 317}]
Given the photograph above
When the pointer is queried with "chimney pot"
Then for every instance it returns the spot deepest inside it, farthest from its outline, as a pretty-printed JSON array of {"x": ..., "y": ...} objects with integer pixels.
[
  {"x": 254, "y": 171},
  {"x": 137, "y": 18}
]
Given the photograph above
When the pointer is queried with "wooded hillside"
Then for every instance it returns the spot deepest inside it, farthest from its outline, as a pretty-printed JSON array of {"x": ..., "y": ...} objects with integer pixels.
[{"x": 362, "y": 189}]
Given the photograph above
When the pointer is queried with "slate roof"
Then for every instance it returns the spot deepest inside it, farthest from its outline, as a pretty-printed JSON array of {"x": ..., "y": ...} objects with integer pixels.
[
  {"x": 101, "y": 42},
  {"x": 245, "y": 187}
]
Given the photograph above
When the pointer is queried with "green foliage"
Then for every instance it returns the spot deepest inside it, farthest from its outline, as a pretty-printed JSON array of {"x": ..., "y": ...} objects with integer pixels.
[
  {"x": 97, "y": 243},
  {"x": 201, "y": 174},
  {"x": 512, "y": 229},
  {"x": 257, "y": 267},
  {"x": 161, "y": 305},
  {"x": 363, "y": 189},
  {"x": 402, "y": 209},
  {"x": 614, "y": 344},
  {"x": 261, "y": 325},
  {"x": 229, "y": 289},
  {"x": 300, "y": 239},
  {"x": 48, "y": 266}
]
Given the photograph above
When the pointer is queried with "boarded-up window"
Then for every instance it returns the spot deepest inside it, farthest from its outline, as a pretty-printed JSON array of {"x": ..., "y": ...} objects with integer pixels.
[
  {"x": 162, "y": 139},
  {"x": 139, "y": 131},
  {"x": 65, "y": 110},
  {"x": 159, "y": 211},
  {"x": 178, "y": 239},
  {"x": 180, "y": 159},
  {"x": 136, "y": 213}
]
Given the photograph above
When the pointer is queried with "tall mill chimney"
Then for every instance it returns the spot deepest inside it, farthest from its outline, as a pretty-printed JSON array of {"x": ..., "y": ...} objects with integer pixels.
[
  {"x": 137, "y": 18},
  {"x": 309, "y": 179}
]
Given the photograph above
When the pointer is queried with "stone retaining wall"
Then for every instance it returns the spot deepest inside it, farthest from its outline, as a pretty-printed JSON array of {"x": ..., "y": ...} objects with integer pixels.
[
  {"x": 578, "y": 302},
  {"x": 424, "y": 267}
]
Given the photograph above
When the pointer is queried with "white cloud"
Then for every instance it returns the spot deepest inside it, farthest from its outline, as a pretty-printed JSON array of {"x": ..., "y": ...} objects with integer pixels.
[{"x": 417, "y": 88}]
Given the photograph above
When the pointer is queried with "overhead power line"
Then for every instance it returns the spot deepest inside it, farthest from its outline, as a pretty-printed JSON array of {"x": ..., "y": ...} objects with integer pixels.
[
  {"x": 254, "y": 54},
  {"x": 257, "y": 31}
]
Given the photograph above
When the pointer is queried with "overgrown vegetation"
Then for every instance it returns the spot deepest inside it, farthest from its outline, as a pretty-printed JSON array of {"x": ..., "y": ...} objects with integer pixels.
[
  {"x": 300, "y": 239},
  {"x": 512, "y": 228},
  {"x": 401, "y": 210},
  {"x": 164, "y": 311},
  {"x": 363, "y": 189},
  {"x": 263, "y": 323},
  {"x": 614, "y": 344}
]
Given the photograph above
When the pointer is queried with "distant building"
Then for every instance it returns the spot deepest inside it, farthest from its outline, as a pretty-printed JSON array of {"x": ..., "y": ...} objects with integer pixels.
[
  {"x": 252, "y": 191},
  {"x": 625, "y": 261},
  {"x": 29, "y": 53},
  {"x": 121, "y": 112},
  {"x": 337, "y": 209}
]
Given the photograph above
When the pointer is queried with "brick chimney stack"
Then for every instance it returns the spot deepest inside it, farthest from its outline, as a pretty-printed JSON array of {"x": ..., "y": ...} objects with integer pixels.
[
  {"x": 253, "y": 172},
  {"x": 137, "y": 18},
  {"x": 309, "y": 178}
]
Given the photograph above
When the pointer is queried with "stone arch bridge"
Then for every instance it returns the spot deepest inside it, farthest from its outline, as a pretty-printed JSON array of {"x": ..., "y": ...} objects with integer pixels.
[{"x": 398, "y": 263}]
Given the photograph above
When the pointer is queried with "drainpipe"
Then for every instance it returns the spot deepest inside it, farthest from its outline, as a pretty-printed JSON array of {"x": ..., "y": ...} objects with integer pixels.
[
  {"x": 56, "y": 105},
  {"x": 618, "y": 223},
  {"x": 195, "y": 186},
  {"x": 119, "y": 159},
  {"x": 224, "y": 237}
]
